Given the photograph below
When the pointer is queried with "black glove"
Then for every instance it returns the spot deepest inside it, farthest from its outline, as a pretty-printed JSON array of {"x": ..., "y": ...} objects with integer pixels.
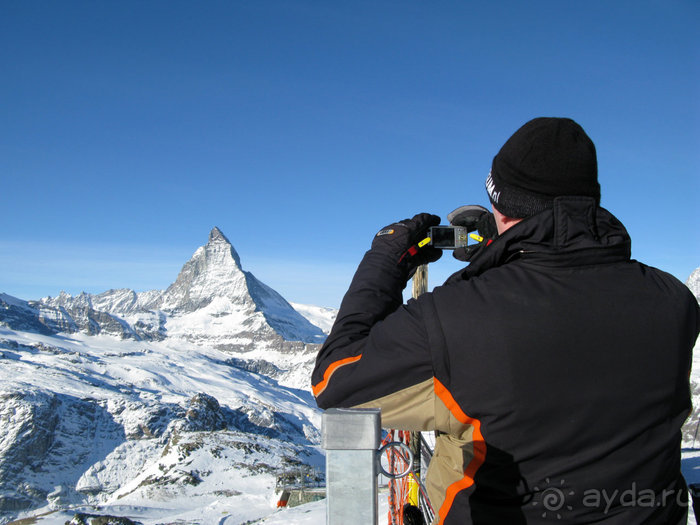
[
  {"x": 474, "y": 218},
  {"x": 400, "y": 242}
]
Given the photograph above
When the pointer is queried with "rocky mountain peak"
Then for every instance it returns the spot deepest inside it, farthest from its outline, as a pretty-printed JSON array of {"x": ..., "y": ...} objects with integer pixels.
[
  {"x": 216, "y": 235},
  {"x": 214, "y": 270},
  {"x": 219, "y": 249},
  {"x": 214, "y": 279}
]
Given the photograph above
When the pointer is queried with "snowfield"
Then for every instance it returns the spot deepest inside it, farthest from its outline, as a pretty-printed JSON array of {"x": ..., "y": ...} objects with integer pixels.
[{"x": 171, "y": 429}]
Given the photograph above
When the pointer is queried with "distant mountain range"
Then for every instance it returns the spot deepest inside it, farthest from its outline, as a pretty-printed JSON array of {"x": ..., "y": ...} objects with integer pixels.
[
  {"x": 211, "y": 297},
  {"x": 181, "y": 400}
]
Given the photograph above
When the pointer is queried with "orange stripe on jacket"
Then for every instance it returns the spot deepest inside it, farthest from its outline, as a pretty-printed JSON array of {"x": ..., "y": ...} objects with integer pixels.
[
  {"x": 319, "y": 388},
  {"x": 478, "y": 443}
]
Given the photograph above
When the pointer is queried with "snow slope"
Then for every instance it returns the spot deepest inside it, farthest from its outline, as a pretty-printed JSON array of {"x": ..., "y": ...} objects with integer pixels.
[
  {"x": 320, "y": 316},
  {"x": 96, "y": 420}
]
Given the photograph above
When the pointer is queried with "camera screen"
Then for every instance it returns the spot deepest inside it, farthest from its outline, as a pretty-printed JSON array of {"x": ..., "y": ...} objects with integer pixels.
[{"x": 442, "y": 237}]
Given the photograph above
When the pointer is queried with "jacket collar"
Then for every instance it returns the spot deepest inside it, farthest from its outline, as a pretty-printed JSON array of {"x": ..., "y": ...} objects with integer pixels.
[{"x": 575, "y": 231}]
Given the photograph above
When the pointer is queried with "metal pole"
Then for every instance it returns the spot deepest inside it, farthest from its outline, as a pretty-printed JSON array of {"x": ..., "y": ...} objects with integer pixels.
[{"x": 351, "y": 438}]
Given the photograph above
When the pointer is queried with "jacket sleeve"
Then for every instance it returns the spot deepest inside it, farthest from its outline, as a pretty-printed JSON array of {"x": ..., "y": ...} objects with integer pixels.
[{"x": 377, "y": 354}]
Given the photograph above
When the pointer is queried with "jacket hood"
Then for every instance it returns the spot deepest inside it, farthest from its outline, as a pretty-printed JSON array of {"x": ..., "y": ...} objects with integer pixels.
[{"x": 574, "y": 231}]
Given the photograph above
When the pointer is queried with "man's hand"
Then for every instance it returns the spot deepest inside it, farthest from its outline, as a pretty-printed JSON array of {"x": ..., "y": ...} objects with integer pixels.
[
  {"x": 474, "y": 218},
  {"x": 399, "y": 241}
]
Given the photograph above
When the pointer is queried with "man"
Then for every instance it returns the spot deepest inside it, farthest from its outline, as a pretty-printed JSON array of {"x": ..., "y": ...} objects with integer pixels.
[{"x": 554, "y": 367}]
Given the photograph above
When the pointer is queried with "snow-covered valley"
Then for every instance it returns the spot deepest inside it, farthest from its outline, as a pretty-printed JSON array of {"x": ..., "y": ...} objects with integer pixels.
[{"x": 100, "y": 421}]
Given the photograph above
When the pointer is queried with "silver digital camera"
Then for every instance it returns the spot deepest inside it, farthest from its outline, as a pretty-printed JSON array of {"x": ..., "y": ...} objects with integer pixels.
[{"x": 448, "y": 237}]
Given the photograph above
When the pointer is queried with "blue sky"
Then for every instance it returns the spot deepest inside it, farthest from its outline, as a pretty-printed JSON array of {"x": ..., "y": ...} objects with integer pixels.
[{"x": 300, "y": 127}]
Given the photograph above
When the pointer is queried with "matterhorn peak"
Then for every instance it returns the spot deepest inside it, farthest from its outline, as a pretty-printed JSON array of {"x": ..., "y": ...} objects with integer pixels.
[
  {"x": 214, "y": 270},
  {"x": 214, "y": 279},
  {"x": 216, "y": 235},
  {"x": 219, "y": 248},
  {"x": 218, "y": 242}
]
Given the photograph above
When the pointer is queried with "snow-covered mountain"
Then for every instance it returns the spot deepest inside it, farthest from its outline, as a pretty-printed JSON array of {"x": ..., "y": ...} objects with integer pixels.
[
  {"x": 320, "y": 316},
  {"x": 211, "y": 300},
  {"x": 167, "y": 405},
  {"x": 239, "y": 299}
]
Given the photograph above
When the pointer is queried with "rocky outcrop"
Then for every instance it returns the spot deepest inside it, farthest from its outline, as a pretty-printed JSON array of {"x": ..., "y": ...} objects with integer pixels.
[
  {"x": 19, "y": 315},
  {"x": 48, "y": 440},
  {"x": 204, "y": 414}
]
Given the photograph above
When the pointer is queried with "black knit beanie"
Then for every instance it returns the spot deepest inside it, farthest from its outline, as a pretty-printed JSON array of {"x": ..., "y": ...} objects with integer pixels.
[{"x": 544, "y": 159}]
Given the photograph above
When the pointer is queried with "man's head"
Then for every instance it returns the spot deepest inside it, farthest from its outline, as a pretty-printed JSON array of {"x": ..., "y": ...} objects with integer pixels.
[{"x": 544, "y": 159}]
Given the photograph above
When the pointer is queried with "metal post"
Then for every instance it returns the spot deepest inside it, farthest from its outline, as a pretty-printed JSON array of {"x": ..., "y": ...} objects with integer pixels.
[{"x": 351, "y": 438}]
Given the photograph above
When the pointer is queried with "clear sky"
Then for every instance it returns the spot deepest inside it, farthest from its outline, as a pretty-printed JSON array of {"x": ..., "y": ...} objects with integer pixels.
[{"x": 301, "y": 127}]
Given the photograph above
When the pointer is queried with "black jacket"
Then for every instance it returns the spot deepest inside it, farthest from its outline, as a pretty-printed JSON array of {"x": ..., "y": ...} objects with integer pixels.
[{"x": 555, "y": 367}]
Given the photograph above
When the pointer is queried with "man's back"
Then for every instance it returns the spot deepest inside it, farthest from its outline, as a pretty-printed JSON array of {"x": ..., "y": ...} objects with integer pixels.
[
  {"x": 568, "y": 357},
  {"x": 553, "y": 367}
]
